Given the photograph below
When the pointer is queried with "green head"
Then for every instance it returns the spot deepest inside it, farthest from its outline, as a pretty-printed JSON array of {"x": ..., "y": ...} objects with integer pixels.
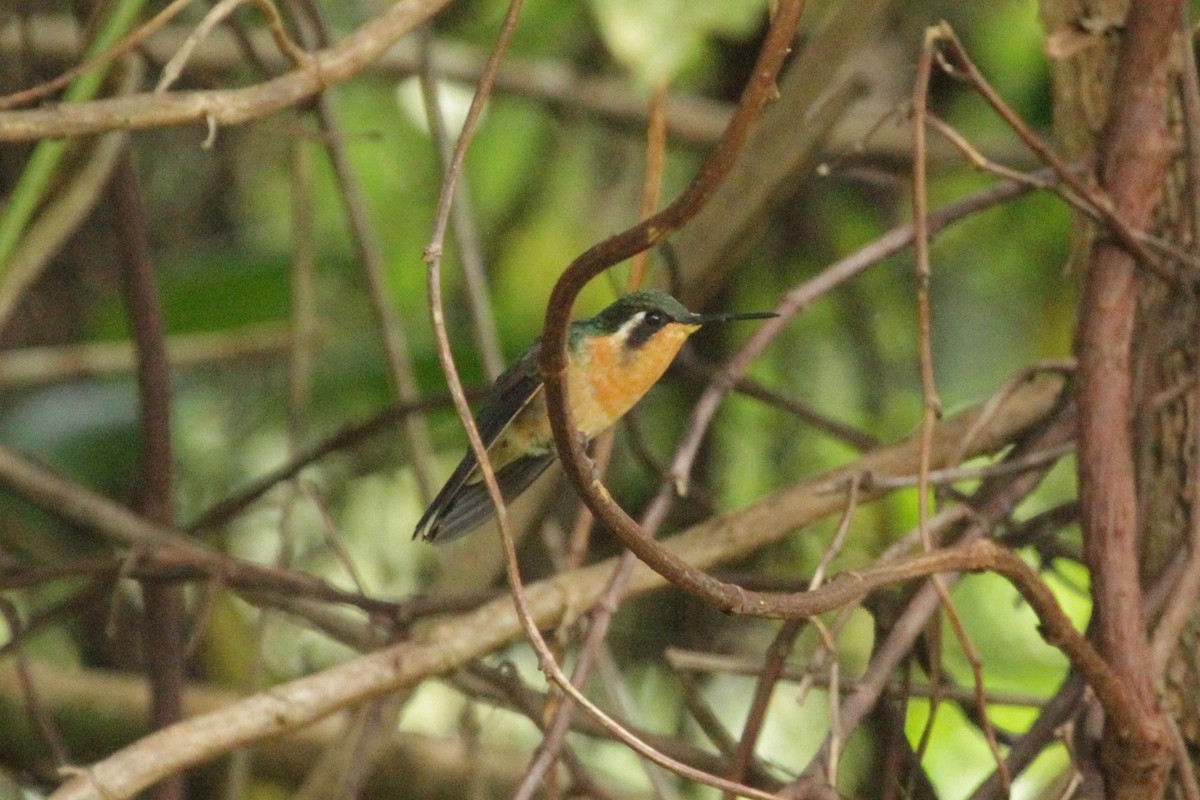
[{"x": 636, "y": 318}]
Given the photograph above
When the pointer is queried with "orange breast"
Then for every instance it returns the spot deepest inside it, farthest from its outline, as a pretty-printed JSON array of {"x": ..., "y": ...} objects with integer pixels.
[
  {"x": 608, "y": 381},
  {"x": 604, "y": 383}
]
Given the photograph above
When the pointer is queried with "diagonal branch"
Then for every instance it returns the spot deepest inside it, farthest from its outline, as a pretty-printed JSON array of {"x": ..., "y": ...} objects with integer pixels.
[{"x": 225, "y": 106}]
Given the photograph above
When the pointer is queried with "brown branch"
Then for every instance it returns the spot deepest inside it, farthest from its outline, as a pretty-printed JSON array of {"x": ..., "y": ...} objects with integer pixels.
[
  {"x": 782, "y": 146},
  {"x": 1094, "y": 205},
  {"x": 691, "y": 119},
  {"x": 702, "y": 373},
  {"x": 1063, "y": 706},
  {"x": 389, "y": 324},
  {"x": 803, "y": 295},
  {"x": 35, "y": 709},
  {"x": 220, "y": 10},
  {"x": 466, "y": 232},
  {"x": 412, "y": 764},
  {"x": 503, "y": 688},
  {"x": 33, "y": 366},
  {"x": 992, "y": 502},
  {"x": 300, "y": 702},
  {"x": 1123, "y": 226},
  {"x": 777, "y": 654},
  {"x": 931, "y": 406},
  {"x": 553, "y": 357},
  {"x": 602, "y": 447},
  {"x": 706, "y": 662},
  {"x": 433, "y": 260},
  {"x": 127, "y": 45},
  {"x": 1136, "y": 152},
  {"x": 344, "y": 438},
  {"x": 226, "y": 106},
  {"x": 164, "y": 606},
  {"x": 656, "y": 150},
  {"x": 764, "y": 689},
  {"x": 931, "y": 403},
  {"x": 164, "y": 547}
]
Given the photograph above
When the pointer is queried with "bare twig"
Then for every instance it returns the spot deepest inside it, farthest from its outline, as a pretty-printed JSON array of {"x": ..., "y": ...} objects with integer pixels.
[
  {"x": 502, "y": 686},
  {"x": 1189, "y": 787},
  {"x": 43, "y": 721},
  {"x": 931, "y": 404},
  {"x": 552, "y": 360},
  {"x": 169, "y": 550},
  {"x": 803, "y": 295},
  {"x": 764, "y": 688},
  {"x": 348, "y": 436},
  {"x": 1124, "y": 226},
  {"x": 996, "y": 500},
  {"x": 390, "y": 325},
  {"x": 219, "y": 12},
  {"x": 333, "y": 538},
  {"x": 1086, "y": 205},
  {"x": 33, "y": 366},
  {"x": 61, "y": 216},
  {"x": 593, "y": 647},
  {"x": 164, "y": 606},
  {"x": 937, "y": 477},
  {"x": 221, "y": 107},
  {"x": 691, "y": 119},
  {"x": 127, "y": 45},
  {"x": 466, "y": 234},
  {"x": 553, "y": 357},
  {"x": 692, "y": 367},
  {"x": 1058, "y": 710},
  {"x": 656, "y": 151},
  {"x": 698, "y": 661}
]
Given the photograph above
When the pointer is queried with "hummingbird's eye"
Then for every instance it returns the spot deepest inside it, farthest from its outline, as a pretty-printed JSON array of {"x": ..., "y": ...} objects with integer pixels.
[
  {"x": 643, "y": 326},
  {"x": 655, "y": 318}
]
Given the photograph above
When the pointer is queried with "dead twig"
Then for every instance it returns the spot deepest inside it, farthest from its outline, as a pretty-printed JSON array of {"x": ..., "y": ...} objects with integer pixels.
[{"x": 221, "y": 107}]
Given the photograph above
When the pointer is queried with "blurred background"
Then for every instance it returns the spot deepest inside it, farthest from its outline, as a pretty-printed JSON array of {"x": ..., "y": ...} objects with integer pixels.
[{"x": 275, "y": 345}]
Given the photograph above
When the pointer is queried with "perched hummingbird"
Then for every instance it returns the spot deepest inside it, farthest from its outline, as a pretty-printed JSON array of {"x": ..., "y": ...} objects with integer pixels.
[{"x": 613, "y": 359}]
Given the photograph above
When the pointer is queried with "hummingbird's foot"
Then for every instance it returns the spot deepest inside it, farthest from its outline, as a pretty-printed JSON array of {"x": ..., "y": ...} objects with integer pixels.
[{"x": 584, "y": 443}]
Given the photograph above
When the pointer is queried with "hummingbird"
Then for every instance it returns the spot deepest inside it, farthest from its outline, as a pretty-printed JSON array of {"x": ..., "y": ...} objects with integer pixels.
[{"x": 613, "y": 360}]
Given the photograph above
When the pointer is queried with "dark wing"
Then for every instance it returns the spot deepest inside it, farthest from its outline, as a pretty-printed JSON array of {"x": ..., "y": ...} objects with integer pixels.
[
  {"x": 508, "y": 395},
  {"x": 471, "y": 505}
]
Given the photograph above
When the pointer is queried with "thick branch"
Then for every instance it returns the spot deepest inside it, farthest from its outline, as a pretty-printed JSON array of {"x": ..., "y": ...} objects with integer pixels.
[{"x": 1136, "y": 152}]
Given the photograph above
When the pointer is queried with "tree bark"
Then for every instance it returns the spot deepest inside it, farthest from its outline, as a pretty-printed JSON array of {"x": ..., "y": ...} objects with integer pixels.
[{"x": 1136, "y": 341}]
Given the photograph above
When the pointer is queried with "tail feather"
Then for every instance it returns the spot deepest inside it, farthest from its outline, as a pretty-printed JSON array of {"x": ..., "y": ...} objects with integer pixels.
[{"x": 464, "y": 504}]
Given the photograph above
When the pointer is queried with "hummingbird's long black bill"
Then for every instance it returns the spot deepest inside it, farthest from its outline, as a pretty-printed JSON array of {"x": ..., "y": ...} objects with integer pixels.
[{"x": 731, "y": 316}]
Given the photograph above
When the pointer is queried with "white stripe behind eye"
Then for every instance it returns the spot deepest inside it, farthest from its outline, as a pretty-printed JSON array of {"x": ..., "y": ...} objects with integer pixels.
[{"x": 629, "y": 324}]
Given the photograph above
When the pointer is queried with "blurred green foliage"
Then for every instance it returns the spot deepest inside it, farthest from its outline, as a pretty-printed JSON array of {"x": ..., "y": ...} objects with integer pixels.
[{"x": 545, "y": 184}]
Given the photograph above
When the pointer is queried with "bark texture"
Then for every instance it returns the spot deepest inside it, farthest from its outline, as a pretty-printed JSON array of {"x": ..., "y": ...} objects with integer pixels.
[{"x": 1084, "y": 41}]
